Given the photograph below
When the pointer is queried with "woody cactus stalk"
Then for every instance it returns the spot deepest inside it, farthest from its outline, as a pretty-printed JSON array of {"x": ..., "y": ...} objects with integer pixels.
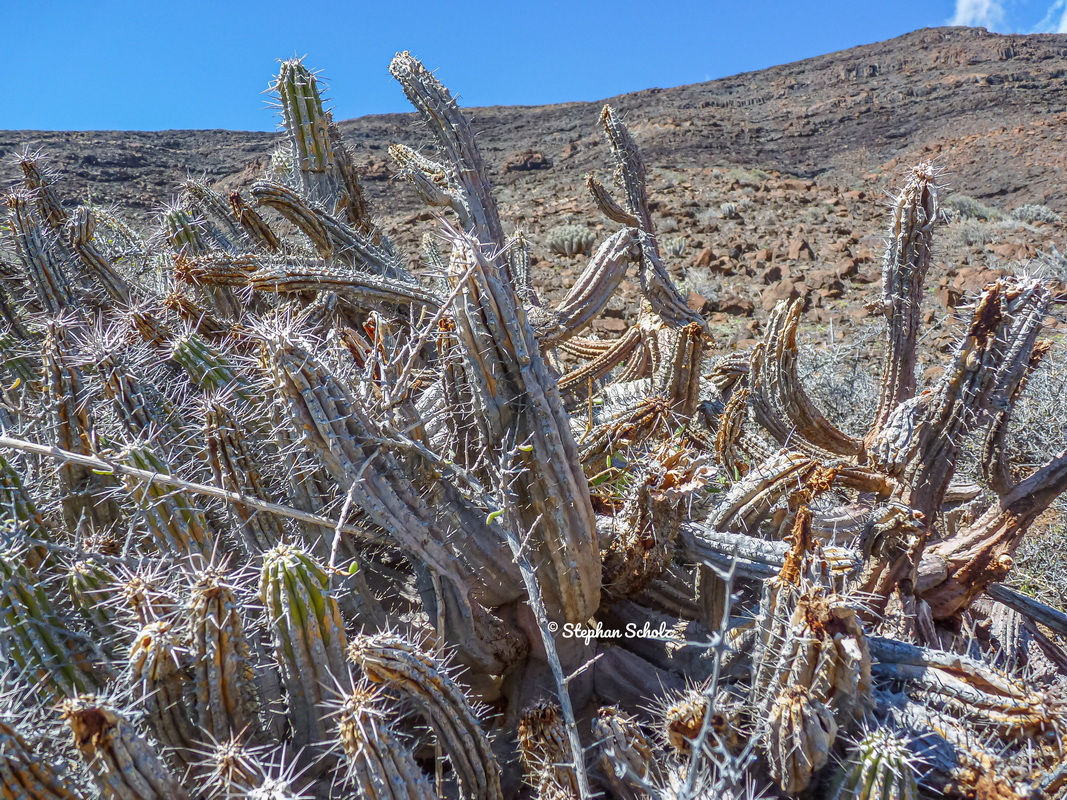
[{"x": 268, "y": 387}]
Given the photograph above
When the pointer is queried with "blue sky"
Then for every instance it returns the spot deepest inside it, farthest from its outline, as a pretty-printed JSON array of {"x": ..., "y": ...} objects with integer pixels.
[{"x": 145, "y": 65}]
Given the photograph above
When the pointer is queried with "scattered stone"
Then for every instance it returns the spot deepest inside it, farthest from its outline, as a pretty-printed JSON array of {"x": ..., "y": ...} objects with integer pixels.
[
  {"x": 610, "y": 325},
  {"x": 846, "y": 267},
  {"x": 771, "y": 274},
  {"x": 697, "y": 302},
  {"x": 704, "y": 258},
  {"x": 735, "y": 305},
  {"x": 785, "y": 289},
  {"x": 526, "y": 161},
  {"x": 827, "y": 282},
  {"x": 800, "y": 250}
]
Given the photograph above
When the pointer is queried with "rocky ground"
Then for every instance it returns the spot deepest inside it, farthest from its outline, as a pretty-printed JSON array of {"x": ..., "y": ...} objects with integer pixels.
[{"x": 765, "y": 186}]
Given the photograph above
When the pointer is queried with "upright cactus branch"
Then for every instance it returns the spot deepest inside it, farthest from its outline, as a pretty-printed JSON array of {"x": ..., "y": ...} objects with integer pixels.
[
  {"x": 309, "y": 637},
  {"x": 907, "y": 259},
  {"x": 37, "y": 642},
  {"x": 545, "y": 752},
  {"x": 221, "y": 661},
  {"x": 465, "y": 169},
  {"x": 307, "y": 126},
  {"x": 159, "y": 677},
  {"x": 380, "y": 767},
  {"x": 42, "y": 255}
]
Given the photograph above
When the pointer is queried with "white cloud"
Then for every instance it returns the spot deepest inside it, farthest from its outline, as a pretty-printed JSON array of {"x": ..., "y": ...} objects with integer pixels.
[
  {"x": 979, "y": 13},
  {"x": 1055, "y": 20}
]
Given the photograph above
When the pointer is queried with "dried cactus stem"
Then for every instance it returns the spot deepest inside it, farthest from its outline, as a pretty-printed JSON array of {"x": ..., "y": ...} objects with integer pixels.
[
  {"x": 907, "y": 259},
  {"x": 222, "y": 672},
  {"x": 122, "y": 764},
  {"x": 380, "y": 767},
  {"x": 416, "y": 677},
  {"x": 158, "y": 672},
  {"x": 25, "y": 776}
]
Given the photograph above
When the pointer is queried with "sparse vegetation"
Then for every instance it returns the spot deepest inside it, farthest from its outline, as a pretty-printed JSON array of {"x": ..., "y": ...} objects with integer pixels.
[
  {"x": 1035, "y": 212},
  {"x": 963, "y": 207},
  {"x": 284, "y": 519}
]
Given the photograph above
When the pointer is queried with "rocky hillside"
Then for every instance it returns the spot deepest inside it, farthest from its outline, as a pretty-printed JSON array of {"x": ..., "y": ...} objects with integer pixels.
[
  {"x": 991, "y": 105},
  {"x": 767, "y": 185}
]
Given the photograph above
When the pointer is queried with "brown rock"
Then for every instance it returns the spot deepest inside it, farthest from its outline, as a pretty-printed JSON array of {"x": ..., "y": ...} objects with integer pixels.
[
  {"x": 846, "y": 267},
  {"x": 827, "y": 282},
  {"x": 800, "y": 250},
  {"x": 724, "y": 265},
  {"x": 611, "y": 324},
  {"x": 971, "y": 280},
  {"x": 1013, "y": 251},
  {"x": 735, "y": 305},
  {"x": 772, "y": 274},
  {"x": 785, "y": 289},
  {"x": 696, "y": 302},
  {"x": 765, "y": 254},
  {"x": 746, "y": 335},
  {"x": 705, "y": 258},
  {"x": 946, "y": 295},
  {"x": 526, "y": 161}
]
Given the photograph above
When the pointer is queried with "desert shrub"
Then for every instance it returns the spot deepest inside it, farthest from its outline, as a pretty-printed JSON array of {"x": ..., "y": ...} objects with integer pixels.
[
  {"x": 838, "y": 377},
  {"x": 746, "y": 177},
  {"x": 971, "y": 232},
  {"x": 962, "y": 206},
  {"x": 1035, "y": 212}
]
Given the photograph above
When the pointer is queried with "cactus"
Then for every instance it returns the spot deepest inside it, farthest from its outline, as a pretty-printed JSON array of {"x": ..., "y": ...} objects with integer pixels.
[
  {"x": 881, "y": 766},
  {"x": 122, "y": 764},
  {"x": 380, "y": 767},
  {"x": 222, "y": 671},
  {"x": 93, "y": 589},
  {"x": 414, "y": 675},
  {"x": 570, "y": 240},
  {"x": 545, "y": 753},
  {"x": 399, "y": 459},
  {"x": 37, "y": 641},
  {"x": 159, "y": 676},
  {"x": 174, "y": 523},
  {"x": 801, "y": 731},
  {"x": 309, "y": 637},
  {"x": 25, "y": 775},
  {"x": 626, "y": 756}
]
